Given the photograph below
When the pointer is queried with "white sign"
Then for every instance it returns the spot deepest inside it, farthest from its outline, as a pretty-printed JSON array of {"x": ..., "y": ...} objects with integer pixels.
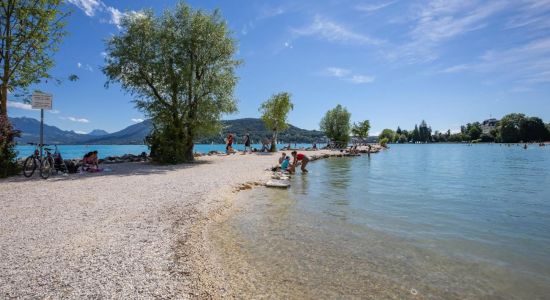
[{"x": 41, "y": 101}]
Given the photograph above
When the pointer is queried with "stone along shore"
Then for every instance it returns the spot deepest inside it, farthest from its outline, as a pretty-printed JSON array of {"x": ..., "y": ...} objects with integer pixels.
[{"x": 122, "y": 234}]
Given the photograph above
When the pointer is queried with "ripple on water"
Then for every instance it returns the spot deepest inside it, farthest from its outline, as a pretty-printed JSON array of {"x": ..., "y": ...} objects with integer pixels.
[{"x": 429, "y": 221}]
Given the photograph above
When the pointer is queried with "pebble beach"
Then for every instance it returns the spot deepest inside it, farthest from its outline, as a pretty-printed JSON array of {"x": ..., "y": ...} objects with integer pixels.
[{"x": 134, "y": 232}]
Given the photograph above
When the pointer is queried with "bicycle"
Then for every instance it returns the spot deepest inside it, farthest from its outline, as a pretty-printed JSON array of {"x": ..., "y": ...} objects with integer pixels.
[{"x": 34, "y": 160}]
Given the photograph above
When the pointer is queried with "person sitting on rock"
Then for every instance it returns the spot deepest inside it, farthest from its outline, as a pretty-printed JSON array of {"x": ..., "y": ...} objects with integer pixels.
[
  {"x": 299, "y": 157},
  {"x": 90, "y": 162},
  {"x": 282, "y": 158},
  {"x": 285, "y": 164}
]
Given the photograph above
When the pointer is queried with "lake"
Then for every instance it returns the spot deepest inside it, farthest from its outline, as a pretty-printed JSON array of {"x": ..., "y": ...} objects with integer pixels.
[
  {"x": 78, "y": 151},
  {"x": 413, "y": 222}
]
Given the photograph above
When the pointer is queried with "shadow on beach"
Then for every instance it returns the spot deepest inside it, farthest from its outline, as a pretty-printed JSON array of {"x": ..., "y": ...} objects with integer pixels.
[{"x": 113, "y": 170}]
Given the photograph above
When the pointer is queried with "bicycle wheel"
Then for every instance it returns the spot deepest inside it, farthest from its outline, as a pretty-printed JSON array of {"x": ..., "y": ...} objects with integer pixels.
[
  {"x": 46, "y": 167},
  {"x": 29, "y": 166}
]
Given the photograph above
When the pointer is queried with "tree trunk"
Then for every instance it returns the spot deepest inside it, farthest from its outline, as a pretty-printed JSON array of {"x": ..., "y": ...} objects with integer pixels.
[
  {"x": 189, "y": 145},
  {"x": 274, "y": 142},
  {"x": 4, "y": 100}
]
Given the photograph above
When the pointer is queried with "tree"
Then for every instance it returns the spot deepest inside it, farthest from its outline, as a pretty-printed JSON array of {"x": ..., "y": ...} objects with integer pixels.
[
  {"x": 384, "y": 142},
  {"x": 533, "y": 130},
  {"x": 424, "y": 132},
  {"x": 181, "y": 69},
  {"x": 336, "y": 124},
  {"x": 387, "y": 134},
  {"x": 274, "y": 114},
  {"x": 474, "y": 130},
  {"x": 510, "y": 128},
  {"x": 398, "y": 131},
  {"x": 361, "y": 130},
  {"x": 30, "y": 32},
  {"x": 415, "y": 135}
]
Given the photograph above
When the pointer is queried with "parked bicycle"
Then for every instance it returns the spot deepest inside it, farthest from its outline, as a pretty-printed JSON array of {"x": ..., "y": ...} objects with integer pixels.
[{"x": 46, "y": 165}]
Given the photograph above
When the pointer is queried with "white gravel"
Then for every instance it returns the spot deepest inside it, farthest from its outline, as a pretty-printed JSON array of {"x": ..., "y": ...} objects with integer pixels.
[{"x": 122, "y": 234}]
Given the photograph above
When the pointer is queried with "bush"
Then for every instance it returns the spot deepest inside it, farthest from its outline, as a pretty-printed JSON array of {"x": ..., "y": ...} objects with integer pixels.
[
  {"x": 8, "y": 156},
  {"x": 384, "y": 142}
]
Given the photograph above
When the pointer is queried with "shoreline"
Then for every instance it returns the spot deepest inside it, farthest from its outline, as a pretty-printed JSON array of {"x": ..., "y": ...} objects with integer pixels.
[
  {"x": 133, "y": 232},
  {"x": 207, "y": 259}
]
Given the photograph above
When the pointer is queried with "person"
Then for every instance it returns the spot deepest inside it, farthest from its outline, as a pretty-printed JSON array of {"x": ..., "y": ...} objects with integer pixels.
[
  {"x": 282, "y": 158},
  {"x": 299, "y": 157},
  {"x": 265, "y": 145},
  {"x": 285, "y": 164},
  {"x": 314, "y": 146},
  {"x": 247, "y": 143},
  {"x": 229, "y": 146},
  {"x": 90, "y": 162}
]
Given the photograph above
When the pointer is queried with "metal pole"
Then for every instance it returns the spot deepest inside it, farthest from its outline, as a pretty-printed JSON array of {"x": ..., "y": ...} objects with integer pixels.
[{"x": 41, "y": 131}]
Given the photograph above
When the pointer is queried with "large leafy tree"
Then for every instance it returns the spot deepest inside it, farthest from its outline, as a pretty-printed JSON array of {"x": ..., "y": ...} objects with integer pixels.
[
  {"x": 180, "y": 66},
  {"x": 30, "y": 32},
  {"x": 533, "y": 130},
  {"x": 274, "y": 114},
  {"x": 510, "y": 128},
  {"x": 388, "y": 134},
  {"x": 361, "y": 130},
  {"x": 336, "y": 124}
]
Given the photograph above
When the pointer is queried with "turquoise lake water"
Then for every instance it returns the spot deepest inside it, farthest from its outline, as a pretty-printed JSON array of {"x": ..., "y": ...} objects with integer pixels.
[
  {"x": 77, "y": 151},
  {"x": 412, "y": 222}
]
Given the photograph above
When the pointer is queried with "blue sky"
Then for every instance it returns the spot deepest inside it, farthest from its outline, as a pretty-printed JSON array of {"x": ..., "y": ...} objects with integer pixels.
[{"x": 393, "y": 62}]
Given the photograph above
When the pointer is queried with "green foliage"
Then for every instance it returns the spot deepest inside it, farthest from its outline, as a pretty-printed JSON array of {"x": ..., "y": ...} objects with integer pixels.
[
  {"x": 274, "y": 114},
  {"x": 510, "y": 128},
  {"x": 361, "y": 129},
  {"x": 384, "y": 142},
  {"x": 30, "y": 32},
  {"x": 8, "y": 165},
  {"x": 533, "y": 130},
  {"x": 181, "y": 69},
  {"x": 336, "y": 124},
  {"x": 474, "y": 130},
  {"x": 402, "y": 139},
  {"x": 388, "y": 134}
]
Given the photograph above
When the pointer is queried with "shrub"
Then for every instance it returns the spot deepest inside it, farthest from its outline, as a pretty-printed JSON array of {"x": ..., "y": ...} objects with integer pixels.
[{"x": 8, "y": 163}]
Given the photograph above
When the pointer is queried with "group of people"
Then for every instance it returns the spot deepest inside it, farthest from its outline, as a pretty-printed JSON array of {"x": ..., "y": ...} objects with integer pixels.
[
  {"x": 90, "y": 162},
  {"x": 299, "y": 159},
  {"x": 231, "y": 139}
]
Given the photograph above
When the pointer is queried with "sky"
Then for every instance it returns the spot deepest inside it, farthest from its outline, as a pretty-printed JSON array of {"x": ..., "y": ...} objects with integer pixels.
[{"x": 393, "y": 62}]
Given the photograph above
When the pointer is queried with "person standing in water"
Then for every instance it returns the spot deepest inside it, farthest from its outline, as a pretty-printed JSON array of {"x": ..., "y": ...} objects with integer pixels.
[
  {"x": 247, "y": 143},
  {"x": 299, "y": 157}
]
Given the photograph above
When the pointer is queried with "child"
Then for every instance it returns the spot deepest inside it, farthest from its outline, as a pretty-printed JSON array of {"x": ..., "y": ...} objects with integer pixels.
[
  {"x": 285, "y": 164},
  {"x": 282, "y": 158}
]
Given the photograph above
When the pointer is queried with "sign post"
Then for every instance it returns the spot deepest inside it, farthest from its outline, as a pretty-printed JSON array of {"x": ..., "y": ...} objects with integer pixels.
[{"x": 41, "y": 101}]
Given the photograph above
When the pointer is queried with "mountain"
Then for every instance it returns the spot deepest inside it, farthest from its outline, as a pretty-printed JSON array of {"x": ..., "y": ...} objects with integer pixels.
[
  {"x": 136, "y": 133},
  {"x": 30, "y": 132},
  {"x": 98, "y": 132}
]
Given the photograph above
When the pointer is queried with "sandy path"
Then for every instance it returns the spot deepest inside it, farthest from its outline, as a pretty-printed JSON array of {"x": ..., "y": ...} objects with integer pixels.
[{"x": 123, "y": 234}]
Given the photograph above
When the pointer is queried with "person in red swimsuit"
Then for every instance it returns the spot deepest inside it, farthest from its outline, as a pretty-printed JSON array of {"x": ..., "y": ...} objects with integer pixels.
[{"x": 299, "y": 157}]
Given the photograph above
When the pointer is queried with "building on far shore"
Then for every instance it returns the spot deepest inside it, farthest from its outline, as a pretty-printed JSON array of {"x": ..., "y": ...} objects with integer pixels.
[{"x": 489, "y": 125}]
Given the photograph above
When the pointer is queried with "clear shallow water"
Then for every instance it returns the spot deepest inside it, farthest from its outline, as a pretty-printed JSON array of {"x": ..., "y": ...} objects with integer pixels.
[
  {"x": 78, "y": 151},
  {"x": 416, "y": 221}
]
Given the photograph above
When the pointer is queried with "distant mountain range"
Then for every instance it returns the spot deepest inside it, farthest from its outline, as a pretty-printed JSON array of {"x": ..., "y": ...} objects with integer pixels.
[{"x": 136, "y": 133}]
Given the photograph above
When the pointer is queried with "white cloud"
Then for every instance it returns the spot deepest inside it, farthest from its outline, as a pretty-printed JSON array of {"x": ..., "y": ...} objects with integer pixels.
[
  {"x": 347, "y": 75},
  {"x": 337, "y": 72},
  {"x": 530, "y": 63},
  {"x": 373, "y": 7},
  {"x": 54, "y": 111},
  {"x": 439, "y": 21},
  {"x": 361, "y": 79},
  {"x": 116, "y": 16},
  {"x": 334, "y": 32},
  {"x": 79, "y": 132},
  {"x": 288, "y": 45},
  {"x": 112, "y": 15},
  {"x": 137, "y": 120},
  {"x": 86, "y": 67},
  {"x": 89, "y": 7},
  {"x": 78, "y": 120},
  {"x": 19, "y": 105}
]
